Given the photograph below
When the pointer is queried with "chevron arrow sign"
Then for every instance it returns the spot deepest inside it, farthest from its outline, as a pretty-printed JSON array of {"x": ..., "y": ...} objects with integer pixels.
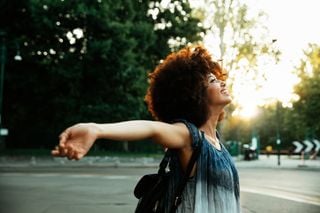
[
  {"x": 317, "y": 143},
  {"x": 306, "y": 145},
  {"x": 309, "y": 145},
  {"x": 299, "y": 146}
]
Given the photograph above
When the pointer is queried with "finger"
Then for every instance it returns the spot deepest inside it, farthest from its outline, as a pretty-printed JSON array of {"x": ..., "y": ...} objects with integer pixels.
[
  {"x": 55, "y": 153},
  {"x": 63, "y": 139},
  {"x": 78, "y": 156},
  {"x": 69, "y": 157},
  {"x": 64, "y": 136},
  {"x": 63, "y": 151},
  {"x": 71, "y": 153}
]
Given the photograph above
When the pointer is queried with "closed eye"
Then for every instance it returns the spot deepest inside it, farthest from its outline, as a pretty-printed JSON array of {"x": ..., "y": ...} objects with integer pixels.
[{"x": 213, "y": 80}]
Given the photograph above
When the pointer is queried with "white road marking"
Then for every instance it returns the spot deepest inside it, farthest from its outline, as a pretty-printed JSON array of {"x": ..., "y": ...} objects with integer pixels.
[
  {"x": 315, "y": 200},
  {"x": 282, "y": 193}
]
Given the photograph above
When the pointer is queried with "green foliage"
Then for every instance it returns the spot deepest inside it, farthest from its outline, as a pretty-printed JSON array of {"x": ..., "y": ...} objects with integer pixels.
[
  {"x": 242, "y": 41},
  {"x": 235, "y": 33},
  {"x": 305, "y": 116},
  {"x": 293, "y": 124},
  {"x": 84, "y": 61},
  {"x": 270, "y": 121}
]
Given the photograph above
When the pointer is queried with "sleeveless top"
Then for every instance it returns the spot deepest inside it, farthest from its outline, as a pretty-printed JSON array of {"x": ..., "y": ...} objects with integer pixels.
[{"x": 215, "y": 186}]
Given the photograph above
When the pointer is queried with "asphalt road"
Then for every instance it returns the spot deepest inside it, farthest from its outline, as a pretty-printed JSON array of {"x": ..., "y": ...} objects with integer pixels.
[{"x": 109, "y": 190}]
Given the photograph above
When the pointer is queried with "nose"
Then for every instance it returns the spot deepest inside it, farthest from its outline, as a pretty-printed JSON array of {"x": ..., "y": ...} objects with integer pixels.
[{"x": 222, "y": 83}]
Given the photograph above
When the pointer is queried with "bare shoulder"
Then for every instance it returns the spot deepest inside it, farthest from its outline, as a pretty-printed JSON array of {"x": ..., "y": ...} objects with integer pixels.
[
  {"x": 175, "y": 135},
  {"x": 184, "y": 131},
  {"x": 181, "y": 127}
]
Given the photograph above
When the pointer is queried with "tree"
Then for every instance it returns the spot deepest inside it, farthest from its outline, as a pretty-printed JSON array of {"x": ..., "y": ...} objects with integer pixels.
[
  {"x": 305, "y": 115},
  {"x": 296, "y": 123},
  {"x": 241, "y": 41},
  {"x": 84, "y": 61},
  {"x": 236, "y": 36}
]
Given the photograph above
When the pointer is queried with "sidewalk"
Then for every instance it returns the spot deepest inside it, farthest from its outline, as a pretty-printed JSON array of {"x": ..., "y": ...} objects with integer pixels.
[
  {"x": 263, "y": 162},
  {"x": 106, "y": 161},
  {"x": 294, "y": 162}
]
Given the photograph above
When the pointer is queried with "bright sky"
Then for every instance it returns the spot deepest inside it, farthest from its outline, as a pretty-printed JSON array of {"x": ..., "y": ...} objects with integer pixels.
[{"x": 294, "y": 23}]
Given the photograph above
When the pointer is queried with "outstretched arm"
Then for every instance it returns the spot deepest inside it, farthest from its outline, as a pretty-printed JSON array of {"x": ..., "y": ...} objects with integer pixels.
[{"x": 77, "y": 140}]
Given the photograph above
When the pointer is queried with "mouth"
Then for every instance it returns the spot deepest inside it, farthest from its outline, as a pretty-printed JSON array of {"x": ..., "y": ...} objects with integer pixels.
[{"x": 224, "y": 91}]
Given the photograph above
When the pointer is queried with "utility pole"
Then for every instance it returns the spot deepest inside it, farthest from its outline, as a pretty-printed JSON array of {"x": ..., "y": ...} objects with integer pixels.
[
  {"x": 3, "y": 56},
  {"x": 278, "y": 131},
  {"x": 2, "y": 66}
]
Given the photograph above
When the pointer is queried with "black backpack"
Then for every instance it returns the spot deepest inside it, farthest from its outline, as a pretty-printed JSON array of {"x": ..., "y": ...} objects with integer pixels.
[{"x": 151, "y": 188}]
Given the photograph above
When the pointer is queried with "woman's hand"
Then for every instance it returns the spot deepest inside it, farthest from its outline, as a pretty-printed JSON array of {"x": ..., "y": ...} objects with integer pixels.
[{"x": 76, "y": 141}]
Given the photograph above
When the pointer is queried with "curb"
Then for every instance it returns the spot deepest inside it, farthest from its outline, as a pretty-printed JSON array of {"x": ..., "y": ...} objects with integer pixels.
[{"x": 140, "y": 162}]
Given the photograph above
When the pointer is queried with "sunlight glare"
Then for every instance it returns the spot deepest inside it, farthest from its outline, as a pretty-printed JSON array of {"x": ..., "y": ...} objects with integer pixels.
[{"x": 246, "y": 112}]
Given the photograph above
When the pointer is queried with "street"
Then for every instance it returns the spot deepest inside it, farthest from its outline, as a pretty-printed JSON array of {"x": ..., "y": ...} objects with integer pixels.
[{"x": 109, "y": 190}]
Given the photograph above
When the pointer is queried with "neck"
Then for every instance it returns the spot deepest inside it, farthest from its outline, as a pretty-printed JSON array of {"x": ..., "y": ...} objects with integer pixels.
[{"x": 209, "y": 127}]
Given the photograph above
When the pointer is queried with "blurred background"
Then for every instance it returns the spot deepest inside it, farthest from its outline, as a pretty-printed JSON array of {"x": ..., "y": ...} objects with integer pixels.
[
  {"x": 68, "y": 61},
  {"x": 64, "y": 62}
]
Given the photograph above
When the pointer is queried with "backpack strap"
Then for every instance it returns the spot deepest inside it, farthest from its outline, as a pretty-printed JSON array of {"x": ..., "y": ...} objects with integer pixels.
[
  {"x": 197, "y": 145},
  {"x": 196, "y": 139},
  {"x": 164, "y": 162}
]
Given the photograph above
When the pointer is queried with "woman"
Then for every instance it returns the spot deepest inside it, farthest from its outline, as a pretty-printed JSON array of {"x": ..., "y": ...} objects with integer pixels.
[{"x": 186, "y": 96}]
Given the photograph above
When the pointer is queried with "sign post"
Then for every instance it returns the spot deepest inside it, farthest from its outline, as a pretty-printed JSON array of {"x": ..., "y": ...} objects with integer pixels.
[
  {"x": 278, "y": 147},
  {"x": 278, "y": 131}
]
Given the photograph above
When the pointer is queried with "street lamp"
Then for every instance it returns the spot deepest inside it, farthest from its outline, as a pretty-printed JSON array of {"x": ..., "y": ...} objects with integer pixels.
[
  {"x": 3, "y": 55},
  {"x": 18, "y": 57}
]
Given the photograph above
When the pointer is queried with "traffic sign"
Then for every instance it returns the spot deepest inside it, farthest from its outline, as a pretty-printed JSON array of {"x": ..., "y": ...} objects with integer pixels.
[
  {"x": 299, "y": 146},
  {"x": 306, "y": 146},
  {"x": 317, "y": 144},
  {"x": 309, "y": 145}
]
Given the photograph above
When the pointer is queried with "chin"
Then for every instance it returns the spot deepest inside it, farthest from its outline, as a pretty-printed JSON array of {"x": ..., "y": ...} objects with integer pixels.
[
  {"x": 228, "y": 100},
  {"x": 221, "y": 101}
]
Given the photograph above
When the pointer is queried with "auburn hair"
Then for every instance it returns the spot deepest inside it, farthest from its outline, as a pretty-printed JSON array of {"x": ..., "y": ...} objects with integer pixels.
[{"x": 178, "y": 86}]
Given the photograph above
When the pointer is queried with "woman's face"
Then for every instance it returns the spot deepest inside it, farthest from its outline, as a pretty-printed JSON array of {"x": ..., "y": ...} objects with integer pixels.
[{"x": 217, "y": 91}]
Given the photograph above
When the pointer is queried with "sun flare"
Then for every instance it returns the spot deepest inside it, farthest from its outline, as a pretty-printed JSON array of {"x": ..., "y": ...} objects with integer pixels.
[
  {"x": 250, "y": 92},
  {"x": 272, "y": 81}
]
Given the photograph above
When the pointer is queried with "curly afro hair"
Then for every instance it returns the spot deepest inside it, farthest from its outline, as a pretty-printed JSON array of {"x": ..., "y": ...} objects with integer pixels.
[{"x": 178, "y": 86}]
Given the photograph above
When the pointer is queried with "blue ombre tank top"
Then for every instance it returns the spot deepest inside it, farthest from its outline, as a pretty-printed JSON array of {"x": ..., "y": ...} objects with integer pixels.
[{"x": 215, "y": 186}]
